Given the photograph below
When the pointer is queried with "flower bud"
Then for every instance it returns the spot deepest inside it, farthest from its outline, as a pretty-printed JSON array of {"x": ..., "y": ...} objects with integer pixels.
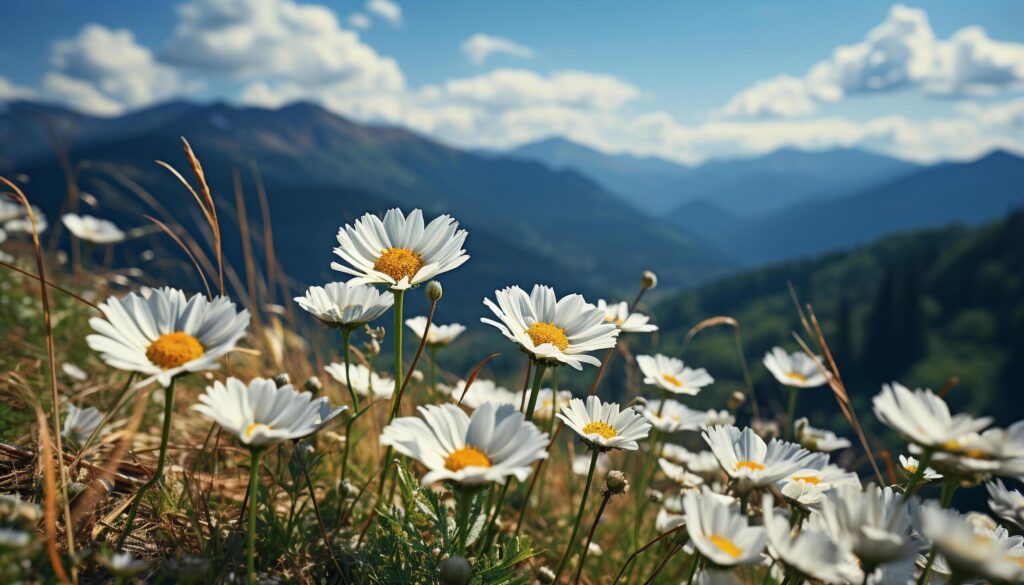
[
  {"x": 648, "y": 279},
  {"x": 736, "y": 400},
  {"x": 434, "y": 291},
  {"x": 615, "y": 483},
  {"x": 314, "y": 385},
  {"x": 545, "y": 575},
  {"x": 282, "y": 380},
  {"x": 417, "y": 376},
  {"x": 349, "y": 489},
  {"x": 639, "y": 401},
  {"x": 455, "y": 571}
]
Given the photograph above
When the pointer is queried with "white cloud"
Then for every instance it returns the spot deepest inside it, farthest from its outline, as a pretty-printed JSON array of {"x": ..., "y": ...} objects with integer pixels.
[
  {"x": 386, "y": 9},
  {"x": 104, "y": 71},
  {"x": 481, "y": 46},
  {"x": 10, "y": 91},
  {"x": 359, "y": 20},
  {"x": 278, "y": 39},
  {"x": 900, "y": 53}
]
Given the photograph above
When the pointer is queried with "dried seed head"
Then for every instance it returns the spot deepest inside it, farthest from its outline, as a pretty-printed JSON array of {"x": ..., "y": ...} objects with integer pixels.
[
  {"x": 615, "y": 483},
  {"x": 282, "y": 379}
]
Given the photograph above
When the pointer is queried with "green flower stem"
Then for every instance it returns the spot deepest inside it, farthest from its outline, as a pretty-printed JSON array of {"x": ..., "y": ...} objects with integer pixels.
[
  {"x": 538, "y": 377},
  {"x": 949, "y": 486},
  {"x": 463, "y": 507},
  {"x": 254, "y": 479},
  {"x": 399, "y": 298},
  {"x": 579, "y": 515},
  {"x": 590, "y": 536},
  {"x": 346, "y": 335},
  {"x": 693, "y": 567},
  {"x": 794, "y": 392},
  {"x": 158, "y": 474}
]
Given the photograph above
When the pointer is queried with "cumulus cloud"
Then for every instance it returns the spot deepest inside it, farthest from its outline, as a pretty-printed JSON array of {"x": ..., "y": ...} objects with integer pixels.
[
  {"x": 481, "y": 46},
  {"x": 104, "y": 71},
  {"x": 900, "y": 53},
  {"x": 385, "y": 9},
  {"x": 281, "y": 40},
  {"x": 10, "y": 91}
]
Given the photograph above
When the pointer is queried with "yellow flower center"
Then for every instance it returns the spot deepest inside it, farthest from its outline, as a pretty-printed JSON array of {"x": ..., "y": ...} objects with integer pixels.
[
  {"x": 797, "y": 376},
  {"x": 753, "y": 465},
  {"x": 599, "y": 427},
  {"x": 725, "y": 545},
  {"x": 805, "y": 478},
  {"x": 252, "y": 428},
  {"x": 172, "y": 350},
  {"x": 912, "y": 469},
  {"x": 955, "y": 446},
  {"x": 398, "y": 263},
  {"x": 468, "y": 456},
  {"x": 672, "y": 380},
  {"x": 541, "y": 333}
]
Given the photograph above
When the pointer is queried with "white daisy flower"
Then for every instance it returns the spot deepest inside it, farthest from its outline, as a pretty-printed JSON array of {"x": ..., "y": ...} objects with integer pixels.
[
  {"x": 679, "y": 474},
  {"x": 14, "y": 217},
  {"x": 923, "y": 418},
  {"x": 80, "y": 423},
  {"x": 11, "y": 538},
  {"x": 581, "y": 464},
  {"x": 165, "y": 334},
  {"x": 618, "y": 313},
  {"x": 821, "y": 440},
  {"x": 124, "y": 564},
  {"x": 702, "y": 463},
  {"x": 603, "y": 426},
  {"x": 910, "y": 465},
  {"x": 399, "y": 251},
  {"x": 345, "y": 305},
  {"x": 74, "y": 372},
  {"x": 811, "y": 552},
  {"x": 480, "y": 392},
  {"x": 493, "y": 444},
  {"x": 972, "y": 550},
  {"x": 364, "y": 383},
  {"x": 720, "y": 532},
  {"x": 808, "y": 486},
  {"x": 995, "y": 451},
  {"x": 719, "y": 417},
  {"x": 666, "y": 520},
  {"x": 553, "y": 331},
  {"x": 871, "y": 523},
  {"x": 1008, "y": 505},
  {"x": 751, "y": 463},
  {"x": 794, "y": 369},
  {"x": 548, "y": 402},
  {"x": 669, "y": 373},
  {"x": 711, "y": 576},
  {"x": 439, "y": 335},
  {"x": 261, "y": 413},
  {"x": 92, "y": 229},
  {"x": 670, "y": 416}
]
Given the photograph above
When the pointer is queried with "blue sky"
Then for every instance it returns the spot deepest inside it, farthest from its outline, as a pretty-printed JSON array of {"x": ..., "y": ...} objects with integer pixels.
[{"x": 685, "y": 80}]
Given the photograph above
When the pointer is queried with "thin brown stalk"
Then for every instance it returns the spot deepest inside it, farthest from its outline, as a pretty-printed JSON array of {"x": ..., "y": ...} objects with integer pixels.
[
  {"x": 44, "y": 298},
  {"x": 475, "y": 373},
  {"x": 197, "y": 170},
  {"x": 49, "y": 284},
  {"x": 49, "y": 491},
  {"x": 640, "y": 550}
]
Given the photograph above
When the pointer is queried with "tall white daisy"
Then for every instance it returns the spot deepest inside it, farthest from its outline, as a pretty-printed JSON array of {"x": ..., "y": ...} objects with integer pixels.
[
  {"x": 670, "y": 416},
  {"x": 923, "y": 418},
  {"x": 439, "y": 335},
  {"x": 604, "y": 426},
  {"x": 720, "y": 532},
  {"x": 971, "y": 550},
  {"x": 494, "y": 443},
  {"x": 618, "y": 313},
  {"x": 669, "y": 373},
  {"x": 871, "y": 523},
  {"x": 399, "y": 251},
  {"x": 165, "y": 335},
  {"x": 750, "y": 462},
  {"x": 552, "y": 331},
  {"x": 811, "y": 552},
  {"x": 364, "y": 383},
  {"x": 260, "y": 413},
  {"x": 822, "y": 440},
  {"x": 92, "y": 229},
  {"x": 794, "y": 369},
  {"x": 80, "y": 423},
  {"x": 345, "y": 305},
  {"x": 479, "y": 393},
  {"x": 1007, "y": 504}
]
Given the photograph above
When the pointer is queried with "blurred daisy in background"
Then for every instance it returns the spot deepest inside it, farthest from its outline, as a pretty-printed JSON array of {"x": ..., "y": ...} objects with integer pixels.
[
  {"x": 619, "y": 315},
  {"x": 1006, "y": 504},
  {"x": 581, "y": 464},
  {"x": 669, "y": 373},
  {"x": 345, "y": 305},
  {"x": 669, "y": 416},
  {"x": 399, "y": 251},
  {"x": 821, "y": 440},
  {"x": 81, "y": 423},
  {"x": 74, "y": 372},
  {"x": 923, "y": 418},
  {"x": 604, "y": 426},
  {"x": 92, "y": 229},
  {"x": 971, "y": 550},
  {"x": 261, "y": 413},
  {"x": 795, "y": 369},
  {"x": 439, "y": 335},
  {"x": 166, "y": 335},
  {"x": 479, "y": 393},
  {"x": 679, "y": 474},
  {"x": 364, "y": 382},
  {"x": 552, "y": 331},
  {"x": 493, "y": 444},
  {"x": 548, "y": 402}
]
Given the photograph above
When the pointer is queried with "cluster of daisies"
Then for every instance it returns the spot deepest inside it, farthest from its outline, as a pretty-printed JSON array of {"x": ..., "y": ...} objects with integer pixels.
[{"x": 760, "y": 496}]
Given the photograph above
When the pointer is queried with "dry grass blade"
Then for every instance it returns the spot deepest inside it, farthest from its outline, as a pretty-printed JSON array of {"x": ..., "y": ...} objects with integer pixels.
[
  {"x": 211, "y": 207},
  {"x": 44, "y": 299},
  {"x": 474, "y": 374},
  {"x": 182, "y": 245},
  {"x": 49, "y": 284},
  {"x": 740, "y": 354}
]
